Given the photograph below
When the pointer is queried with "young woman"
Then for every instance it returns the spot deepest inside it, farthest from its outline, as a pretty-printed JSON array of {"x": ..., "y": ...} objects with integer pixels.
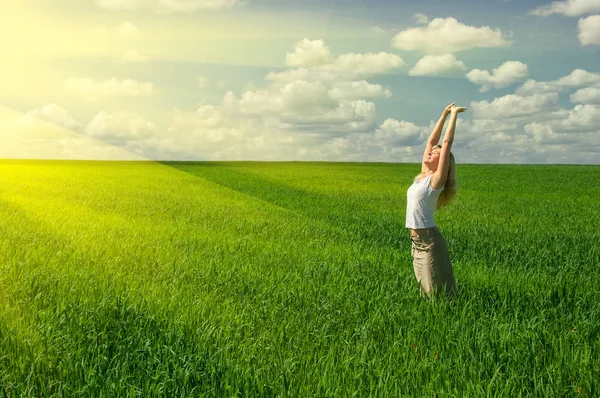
[{"x": 433, "y": 188}]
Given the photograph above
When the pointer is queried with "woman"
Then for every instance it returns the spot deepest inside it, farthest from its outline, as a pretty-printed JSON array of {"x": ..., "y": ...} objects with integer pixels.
[{"x": 433, "y": 188}]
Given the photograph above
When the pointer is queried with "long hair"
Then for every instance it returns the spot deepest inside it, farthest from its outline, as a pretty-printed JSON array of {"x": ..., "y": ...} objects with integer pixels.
[{"x": 451, "y": 185}]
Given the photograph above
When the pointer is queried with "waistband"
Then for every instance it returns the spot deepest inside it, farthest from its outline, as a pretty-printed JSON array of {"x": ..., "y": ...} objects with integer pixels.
[{"x": 426, "y": 233}]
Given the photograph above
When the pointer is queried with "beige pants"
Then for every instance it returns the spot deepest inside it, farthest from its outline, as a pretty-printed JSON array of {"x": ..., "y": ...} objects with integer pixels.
[{"x": 431, "y": 261}]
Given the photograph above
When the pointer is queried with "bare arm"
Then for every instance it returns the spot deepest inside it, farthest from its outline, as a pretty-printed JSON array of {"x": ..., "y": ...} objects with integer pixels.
[
  {"x": 438, "y": 179},
  {"x": 434, "y": 137}
]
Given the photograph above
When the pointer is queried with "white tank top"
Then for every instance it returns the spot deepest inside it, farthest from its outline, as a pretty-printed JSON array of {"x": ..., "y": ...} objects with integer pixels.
[{"x": 421, "y": 200}]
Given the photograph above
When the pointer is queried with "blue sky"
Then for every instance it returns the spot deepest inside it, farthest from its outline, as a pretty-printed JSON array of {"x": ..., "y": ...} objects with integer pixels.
[{"x": 352, "y": 80}]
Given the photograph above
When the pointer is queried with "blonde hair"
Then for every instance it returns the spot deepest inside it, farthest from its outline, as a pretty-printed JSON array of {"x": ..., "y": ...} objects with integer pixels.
[{"x": 451, "y": 185}]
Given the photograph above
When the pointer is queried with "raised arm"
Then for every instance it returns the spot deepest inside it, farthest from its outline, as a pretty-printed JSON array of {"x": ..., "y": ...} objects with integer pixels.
[
  {"x": 434, "y": 137},
  {"x": 438, "y": 179}
]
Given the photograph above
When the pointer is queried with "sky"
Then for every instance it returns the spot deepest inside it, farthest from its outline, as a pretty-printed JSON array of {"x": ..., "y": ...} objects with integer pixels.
[{"x": 301, "y": 80}]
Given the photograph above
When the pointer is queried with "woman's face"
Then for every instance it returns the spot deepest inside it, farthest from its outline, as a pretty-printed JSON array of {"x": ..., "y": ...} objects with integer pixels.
[{"x": 432, "y": 159}]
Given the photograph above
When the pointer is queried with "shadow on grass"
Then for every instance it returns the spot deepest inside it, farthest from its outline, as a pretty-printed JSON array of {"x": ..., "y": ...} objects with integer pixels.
[{"x": 355, "y": 221}]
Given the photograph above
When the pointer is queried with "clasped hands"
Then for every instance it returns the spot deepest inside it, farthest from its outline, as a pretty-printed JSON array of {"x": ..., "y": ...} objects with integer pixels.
[{"x": 453, "y": 109}]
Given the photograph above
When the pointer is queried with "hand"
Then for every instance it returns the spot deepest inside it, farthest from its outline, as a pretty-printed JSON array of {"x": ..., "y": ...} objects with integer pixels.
[
  {"x": 457, "y": 109},
  {"x": 448, "y": 109}
]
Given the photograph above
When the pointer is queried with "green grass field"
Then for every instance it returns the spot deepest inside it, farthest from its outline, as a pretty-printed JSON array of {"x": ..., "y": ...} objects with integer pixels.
[{"x": 293, "y": 279}]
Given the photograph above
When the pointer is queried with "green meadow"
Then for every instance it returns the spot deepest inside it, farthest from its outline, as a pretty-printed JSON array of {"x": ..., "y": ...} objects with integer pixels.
[{"x": 250, "y": 279}]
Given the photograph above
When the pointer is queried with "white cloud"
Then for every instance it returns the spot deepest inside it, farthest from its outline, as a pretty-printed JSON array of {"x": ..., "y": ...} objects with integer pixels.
[
  {"x": 119, "y": 127},
  {"x": 477, "y": 128},
  {"x": 364, "y": 64},
  {"x": 586, "y": 95},
  {"x": 315, "y": 62},
  {"x": 544, "y": 134},
  {"x": 357, "y": 90},
  {"x": 492, "y": 141},
  {"x": 559, "y": 145},
  {"x": 161, "y": 6},
  {"x": 420, "y": 19},
  {"x": 312, "y": 74},
  {"x": 308, "y": 53},
  {"x": 531, "y": 87},
  {"x": 347, "y": 117},
  {"x": 523, "y": 141},
  {"x": 583, "y": 118},
  {"x": 210, "y": 133},
  {"x": 433, "y": 65},
  {"x": 589, "y": 30},
  {"x": 570, "y": 8},
  {"x": 346, "y": 67},
  {"x": 578, "y": 130},
  {"x": 205, "y": 116},
  {"x": 291, "y": 75},
  {"x": 325, "y": 106},
  {"x": 514, "y": 106},
  {"x": 299, "y": 96},
  {"x": 397, "y": 133},
  {"x": 304, "y": 97},
  {"x": 54, "y": 114},
  {"x": 319, "y": 109},
  {"x": 538, "y": 131},
  {"x": 305, "y": 113},
  {"x": 505, "y": 75},
  {"x": 128, "y": 30},
  {"x": 377, "y": 29},
  {"x": 322, "y": 109},
  {"x": 578, "y": 78},
  {"x": 201, "y": 81},
  {"x": 91, "y": 90},
  {"x": 447, "y": 35}
]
